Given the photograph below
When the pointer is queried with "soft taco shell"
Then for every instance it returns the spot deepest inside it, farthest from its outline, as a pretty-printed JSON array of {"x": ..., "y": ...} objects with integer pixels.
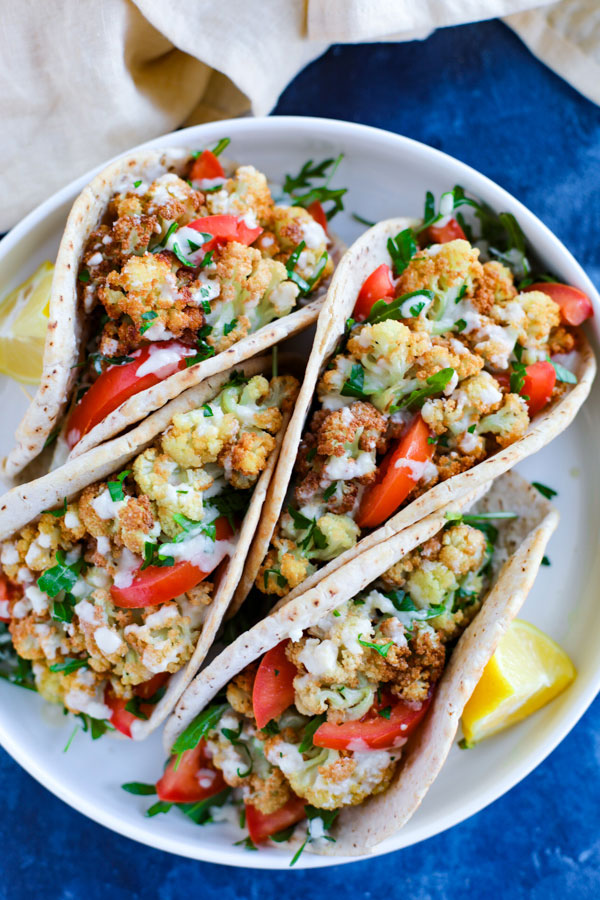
[
  {"x": 67, "y": 323},
  {"x": 24, "y": 503},
  {"x": 519, "y": 551},
  {"x": 368, "y": 252}
]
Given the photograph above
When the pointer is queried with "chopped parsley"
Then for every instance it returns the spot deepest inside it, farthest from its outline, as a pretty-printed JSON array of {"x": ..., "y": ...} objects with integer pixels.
[
  {"x": 435, "y": 385},
  {"x": 68, "y": 665},
  {"x": 57, "y": 513},
  {"x": 546, "y": 561},
  {"x": 281, "y": 579},
  {"x": 354, "y": 385},
  {"x": 60, "y": 577},
  {"x": 84, "y": 276},
  {"x": 64, "y": 610},
  {"x": 330, "y": 491},
  {"x": 148, "y": 317},
  {"x": 115, "y": 488},
  {"x": 208, "y": 413},
  {"x": 306, "y": 743},
  {"x": 382, "y": 310},
  {"x": 562, "y": 374},
  {"x": 402, "y": 248},
  {"x": 544, "y": 490},
  {"x": 230, "y": 326},
  {"x": 136, "y": 184},
  {"x": 382, "y": 649}
]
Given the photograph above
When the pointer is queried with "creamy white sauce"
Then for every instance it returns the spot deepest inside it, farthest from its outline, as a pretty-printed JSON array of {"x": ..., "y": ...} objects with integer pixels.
[
  {"x": 108, "y": 641},
  {"x": 128, "y": 564},
  {"x": 313, "y": 235},
  {"x": 344, "y": 468},
  {"x": 37, "y": 598},
  {"x": 105, "y": 507},
  {"x": 163, "y": 358},
  {"x": 10, "y": 555}
]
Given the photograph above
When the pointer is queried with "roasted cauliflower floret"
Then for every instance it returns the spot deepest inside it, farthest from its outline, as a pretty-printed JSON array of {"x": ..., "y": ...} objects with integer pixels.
[
  {"x": 294, "y": 224},
  {"x": 247, "y": 194},
  {"x": 244, "y": 460},
  {"x": 283, "y": 568},
  {"x": 340, "y": 533},
  {"x": 165, "y": 640},
  {"x": 254, "y": 403},
  {"x": 495, "y": 286},
  {"x": 174, "y": 488},
  {"x": 508, "y": 423},
  {"x": 451, "y": 271},
  {"x": 330, "y": 779},
  {"x": 463, "y": 549},
  {"x": 543, "y": 314},
  {"x": 194, "y": 439},
  {"x": 461, "y": 411},
  {"x": 171, "y": 198},
  {"x": 359, "y": 423}
]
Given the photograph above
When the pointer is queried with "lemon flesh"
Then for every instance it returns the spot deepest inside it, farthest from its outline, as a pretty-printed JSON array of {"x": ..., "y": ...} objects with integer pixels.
[
  {"x": 527, "y": 670},
  {"x": 23, "y": 325}
]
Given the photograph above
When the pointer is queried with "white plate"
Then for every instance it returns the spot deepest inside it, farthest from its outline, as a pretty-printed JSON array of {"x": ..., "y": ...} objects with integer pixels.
[{"x": 387, "y": 176}]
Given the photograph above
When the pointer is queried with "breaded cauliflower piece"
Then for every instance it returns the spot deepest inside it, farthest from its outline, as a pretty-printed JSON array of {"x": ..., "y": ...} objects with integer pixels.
[
  {"x": 473, "y": 398},
  {"x": 170, "y": 198},
  {"x": 451, "y": 271},
  {"x": 194, "y": 439},
  {"x": 340, "y": 532},
  {"x": 244, "y": 460},
  {"x": 495, "y": 286},
  {"x": 330, "y": 779},
  {"x": 251, "y": 288},
  {"x": 283, "y": 568},
  {"x": 543, "y": 315},
  {"x": 508, "y": 423},
  {"x": 294, "y": 224},
  {"x": 174, "y": 488},
  {"x": 360, "y": 423},
  {"x": 245, "y": 194},
  {"x": 463, "y": 549},
  {"x": 165, "y": 640}
]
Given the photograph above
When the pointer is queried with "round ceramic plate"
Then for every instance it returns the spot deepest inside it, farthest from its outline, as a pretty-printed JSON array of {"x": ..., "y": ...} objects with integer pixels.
[{"x": 386, "y": 175}]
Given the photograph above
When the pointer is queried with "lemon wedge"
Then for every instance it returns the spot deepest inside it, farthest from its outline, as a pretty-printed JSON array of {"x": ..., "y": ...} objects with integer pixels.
[
  {"x": 527, "y": 670},
  {"x": 23, "y": 324}
]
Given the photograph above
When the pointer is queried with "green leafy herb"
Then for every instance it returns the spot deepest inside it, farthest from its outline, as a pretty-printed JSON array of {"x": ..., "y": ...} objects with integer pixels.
[
  {"x": 284, "y": 835},
  {"x": 234, "y": 738},
  {"x": 354, "y": 386},
  {"x": 68, "y": 665},
  {"x": 546, "y": 561},
  {"x": 562, "y": 374},
  {"x": 136, "y": 184},
  {"x": 134, "y": 706},
  {"x": 199, "y": 728},
  {"x": 221, "y": 145},
  {"x": 337, "y": 613},
  {"x": 460, "y": 325},
  {"x": 229, "y": 326},
  {"x": 382, "y": 649},
  {"x": 205, "y": 350},
  {"x": 152, "y": 557},
  {"x": 148, "y": 317},
  {"x": 63, "y": 610},
  {"x": 385, "y": 713},
  {"x": 208, "y": 413},
  {"x": 84, "y": 276},
  {"x": 51, "y": 437},
  {"x": 281, "y": 579},
  {"x": 435, "y": 385},
  {"x": 306, "y": 743},
  {"x": 57, "y": 513},
  {"x": 115, "y": 488},
  {"x": 139, "y": 788},
  {"x": 323, "y": 193},
  {"x": 382, "y": 310},
  {"x": 61, "y": 577},
  {"x": 362, "y": 220},
  {"x": 517, "y": 377},
  {"x": 330, "y": 491},
  {"x": 402, "y": 248},
  {"x": 98, "y": 359},
  {"x": 271, "y": 727},
  {"x": 544, "y": 490},
  {"x": 230, "y": 503},
  {"x": 246, "y": 843},
  {"x": 156, "y": 808},
  {"x": 200, "y": 812}
]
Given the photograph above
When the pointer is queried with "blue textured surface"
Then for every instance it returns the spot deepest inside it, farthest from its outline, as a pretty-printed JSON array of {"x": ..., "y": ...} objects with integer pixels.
[{"x": 478, "y": 94}]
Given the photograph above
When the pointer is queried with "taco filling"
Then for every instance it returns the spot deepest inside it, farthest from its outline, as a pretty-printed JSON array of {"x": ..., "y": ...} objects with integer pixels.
[
  {"x": 105, "y": 597},
  {"x": 183, "y": 268},
  {"x": 319, "y": 722},
  {"x": 446, "y": 361}
]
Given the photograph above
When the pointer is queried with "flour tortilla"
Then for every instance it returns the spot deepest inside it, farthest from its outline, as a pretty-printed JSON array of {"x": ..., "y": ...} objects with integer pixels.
[
  {"x": 519, "y": 551},
  {"x": 22, "y": 504},
  {"x": 368, "y": 252},
  {"x": 67, "y": 331}
]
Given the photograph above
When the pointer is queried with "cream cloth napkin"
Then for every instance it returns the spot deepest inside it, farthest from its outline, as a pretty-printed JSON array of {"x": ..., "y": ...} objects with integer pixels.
[{"x": 81, "y": 81}]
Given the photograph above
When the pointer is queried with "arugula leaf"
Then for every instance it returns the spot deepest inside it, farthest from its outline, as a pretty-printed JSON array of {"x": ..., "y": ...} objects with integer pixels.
[
  {"x": 545, "y": 491},
  {"x": 234, "y": 738},
  {"x": 362, "y": 221},
  {"x": 156, "y": 808},
  {"x": 115, "y": 488},
  {"x": 199, "y": 728},
  {"x": 69, "y": 665},
  {"x": 152, "y": 557},
  {"x": 284, "y": 835},
  {"x": 330, "y": 491},
  {"x": 63, "y": 610},
  {"x": 402, "y": 248},
  {"x": 199, "y": 812},
  {"x": 220, "y": 146},
  {"x": 134, "y": 706},
  {"x": 208, "y": 413},
  {"x": 230, "y": 503},
  {"x": 382, "y": 649},
  {"x": 148, "y": 317},
  {"x": 306, "y": 743},
  {"x": 13, "y": 668},
  {"x": 546, "y": 561},
  {"x": 246, "y": 843},
  {"x": 271, "y": 727},
  {"x": 304, "y": 179},
  {"x": 60, "y": 577},
  {"x": 301, "y": 522},
  {"x": 139, "y": 788},
  {"x": 57, "y": 513},
  {"x": 205, "y": 350},
  {"x": 281, "y": 579},
  {"x": 435, "y": 385},
  {"x": 382, "y": 310},
  {"x": 229, "y": 326},
  {"x": 562, "y": 374},
  {"x": 84, "y": 276},
  {"x": 385, "y": 713},
  {"x": 354, "y": 386}
]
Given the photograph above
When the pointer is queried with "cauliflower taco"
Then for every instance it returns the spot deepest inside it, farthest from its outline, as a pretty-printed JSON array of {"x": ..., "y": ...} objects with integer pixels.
[
  {"x": 172, "y": 267},
  {"x": 440, "y": 361},
  {"x": 118, "y": 568},
  {"x": 326, "y": 723}
]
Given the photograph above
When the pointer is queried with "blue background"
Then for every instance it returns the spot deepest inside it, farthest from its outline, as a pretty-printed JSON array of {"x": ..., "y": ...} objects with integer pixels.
[{"x": 477, "y": 93}]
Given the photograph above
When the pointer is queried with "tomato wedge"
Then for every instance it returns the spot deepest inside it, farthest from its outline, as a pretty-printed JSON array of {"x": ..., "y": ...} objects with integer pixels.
[
  {"x": 441, "y": 234},
  {"x": 273, "y": 689},
  {"x": 395, "y": 481},
  {"x": 378, "y": 285},
  {"x": 121, "y": 718},
  {"x": 225, "y": 228},
  {"x": 193, "y": 779},
  {"x": 118, "y": 383},
  {"x": 539, "y": 383},
  {"x": 206, "y": 165},
  {"x": 261, "y": 826},
  {"x": 575, "y": 306},
  {"x": 318, "y": 214},
  {"x": 159, "y": 584},
  {"x": 373, "y": 731}
]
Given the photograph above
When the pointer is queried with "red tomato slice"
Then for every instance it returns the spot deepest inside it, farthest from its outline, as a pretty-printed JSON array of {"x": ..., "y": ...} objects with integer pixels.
[
  {"x": 538, "y": 386},
  {"x": 377, "y": 286},
  {"x": 121, "y": 718},
  {"x": 441, "y": 234},
  {"x": 575, "y": 306},
  {"x": 318, "y": 214},
  {"x": 206, "y": 165},
  {"x": 273, "y": 689},
  {"x": 261, "y": 826},
  {"x": 394, "y": 480},
  {"x": 225, "y": 228},
  {"x": 118, "y": 383},
  {"x": 373, "y": 732},
  {"x": 5, "y": 596},
  {"x": 159, "y": 584},
  {"x": 193, "y": 779}
]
